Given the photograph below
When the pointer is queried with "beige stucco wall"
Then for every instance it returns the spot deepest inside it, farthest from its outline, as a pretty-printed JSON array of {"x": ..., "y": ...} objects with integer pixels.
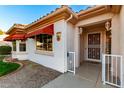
[
  {"x": 122, "y": 37},
  {"x": 73, "y": 40},
  {"x": 122, "y": 30},
  {"x": 84, "y": 42},
  {"x": 95, "y": 19},
  {"x": 117, "y": 29},
  {"x": 77, "y": 46},
  {"x": 86, "y": 22},
  {"x": 115, "y": 34},
  {"x": 70, "y": 37}
]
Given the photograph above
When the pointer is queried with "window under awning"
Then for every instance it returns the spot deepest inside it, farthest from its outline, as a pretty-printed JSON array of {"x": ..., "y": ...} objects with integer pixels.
[{"x": 47, "y": 30}]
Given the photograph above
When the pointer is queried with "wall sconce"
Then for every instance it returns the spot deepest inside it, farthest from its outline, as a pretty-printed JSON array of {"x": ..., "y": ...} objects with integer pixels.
[
  {"x": 58, "y": 36},
  {"x": 108, "y": 26},
  {"x": 80, "y": 30}
]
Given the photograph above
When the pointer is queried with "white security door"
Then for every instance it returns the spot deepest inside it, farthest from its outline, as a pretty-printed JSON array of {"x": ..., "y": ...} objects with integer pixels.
[{"x": 94, "y": 46}]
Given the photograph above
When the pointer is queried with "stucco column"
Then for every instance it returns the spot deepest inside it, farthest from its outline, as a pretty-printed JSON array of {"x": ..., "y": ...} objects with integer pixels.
[
  {"x": 77, "y": 46},
  {"x": 122, "y": 38},
  {"x": 115, "y": 29},
  {"x": 65, "y": 45},
  {"x": 17, "y": 46}
]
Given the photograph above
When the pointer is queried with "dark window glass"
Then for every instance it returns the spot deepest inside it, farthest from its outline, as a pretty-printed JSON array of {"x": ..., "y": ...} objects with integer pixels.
[
  {"x": 14, "y": 45},
  {"x": 44, "y": 42},
  {"x": 22, "y": 46}
]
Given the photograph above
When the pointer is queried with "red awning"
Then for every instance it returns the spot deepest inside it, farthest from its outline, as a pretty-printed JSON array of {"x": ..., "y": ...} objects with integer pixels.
[
  {"x": 8, "y": 38},
  {"x": 18, "y": 37},
  {"x": 15, "y": 37},
  {"x": 47, "y": 30}
]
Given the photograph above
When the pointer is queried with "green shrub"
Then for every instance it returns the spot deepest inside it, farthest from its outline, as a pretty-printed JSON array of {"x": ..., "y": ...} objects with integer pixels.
[{"x": 5, "y": 50}]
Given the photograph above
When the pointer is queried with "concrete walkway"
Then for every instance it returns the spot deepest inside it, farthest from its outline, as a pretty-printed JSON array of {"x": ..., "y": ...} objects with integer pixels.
[
  {"x": 32, "y": 75},
  {"x": 87, "y": 76}
]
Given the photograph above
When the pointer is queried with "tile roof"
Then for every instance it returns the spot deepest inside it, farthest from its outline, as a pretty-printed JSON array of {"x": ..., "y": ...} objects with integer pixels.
[
  {"x": 47, "y": 14},
  {"x": 22, "y": 26},
  {"x": 19, "y": 26},
  {"x": 62, "y": 6}
]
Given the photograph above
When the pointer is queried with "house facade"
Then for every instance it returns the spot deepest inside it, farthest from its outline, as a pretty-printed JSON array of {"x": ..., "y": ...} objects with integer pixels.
[{"x": 89, "y": 33}]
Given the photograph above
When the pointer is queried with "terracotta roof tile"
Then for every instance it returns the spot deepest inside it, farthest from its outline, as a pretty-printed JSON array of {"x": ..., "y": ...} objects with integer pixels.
[
  {"x": 49, "y": 13},
  {"x": 19, "y": 25},
  {"x": 62, "y": 6}
]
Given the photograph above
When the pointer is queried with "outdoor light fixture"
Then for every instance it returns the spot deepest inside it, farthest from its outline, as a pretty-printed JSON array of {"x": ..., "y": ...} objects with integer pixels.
[
  {"x": 58, "y": 36},
  {"x": 108, "y": 26},
  {"x": 80, "y": 30}
]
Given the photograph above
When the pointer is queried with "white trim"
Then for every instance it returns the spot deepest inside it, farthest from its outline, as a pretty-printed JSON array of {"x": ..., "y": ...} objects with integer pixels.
[
  {"x": 13, "y": 52},
  {"x": 112, "y": 84},
  {"x": 48, "y": 53},
  {"x": 121, "y": 71},
  {"x": 94, "y": 60},
  {"x": 103, "y": 68},
  {"x": 100, "y": 46},
  {"x": 104, "y": 42}
]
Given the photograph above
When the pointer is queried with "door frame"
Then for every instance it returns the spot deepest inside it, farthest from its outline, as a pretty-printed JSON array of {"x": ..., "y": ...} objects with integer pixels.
[{"x": 100, "y": 46}]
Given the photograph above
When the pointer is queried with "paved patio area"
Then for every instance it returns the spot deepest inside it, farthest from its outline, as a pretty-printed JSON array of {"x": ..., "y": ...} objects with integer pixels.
[
  {"x": 32, "y": 75},
  {"x": 87, "y": 76}
]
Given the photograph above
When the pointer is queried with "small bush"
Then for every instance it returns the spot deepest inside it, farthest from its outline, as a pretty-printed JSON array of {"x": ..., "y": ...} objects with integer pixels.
[{"x": 5, "y": 50}]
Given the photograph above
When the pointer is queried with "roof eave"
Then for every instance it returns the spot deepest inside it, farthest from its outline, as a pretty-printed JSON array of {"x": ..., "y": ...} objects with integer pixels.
[
  {"x": 95, "y": 11},
  {"x": 90, "y": 10},
  {"x": 14, "y": 27},
  {"x": 115, "y": 9},
  {"x": 9, "y": 31},
  {"x": 63, "y": 9}
]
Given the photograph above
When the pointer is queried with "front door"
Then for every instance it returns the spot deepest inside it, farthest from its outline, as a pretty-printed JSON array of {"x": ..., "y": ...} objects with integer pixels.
[{"x": 94, "y": 46}]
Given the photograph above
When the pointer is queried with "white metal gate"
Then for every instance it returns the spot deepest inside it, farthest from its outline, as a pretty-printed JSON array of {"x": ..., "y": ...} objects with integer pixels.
[
  {"x": 71, "y": 62},
  {"x": 112, "y": 70}
]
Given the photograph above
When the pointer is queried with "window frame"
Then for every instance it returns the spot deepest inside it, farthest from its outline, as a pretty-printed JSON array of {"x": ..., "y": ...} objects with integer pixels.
[
  {"x": 14, "y": 49},
  {"x": 43, "y": 51},
  {"x": 22, "y": 42}
]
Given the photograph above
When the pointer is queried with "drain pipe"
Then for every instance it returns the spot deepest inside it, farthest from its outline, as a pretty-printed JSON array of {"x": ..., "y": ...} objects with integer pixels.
[
  {"x": 65, "y": 63},
  {"x": 69, "y": 18}
]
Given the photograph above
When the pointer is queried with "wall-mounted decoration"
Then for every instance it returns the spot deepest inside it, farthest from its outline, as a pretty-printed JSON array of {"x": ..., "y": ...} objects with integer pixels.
[
  {"x": 108, "y": 26},
  {"x": 80, "y": 30},
  {"x": 58, "y": 36}
]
